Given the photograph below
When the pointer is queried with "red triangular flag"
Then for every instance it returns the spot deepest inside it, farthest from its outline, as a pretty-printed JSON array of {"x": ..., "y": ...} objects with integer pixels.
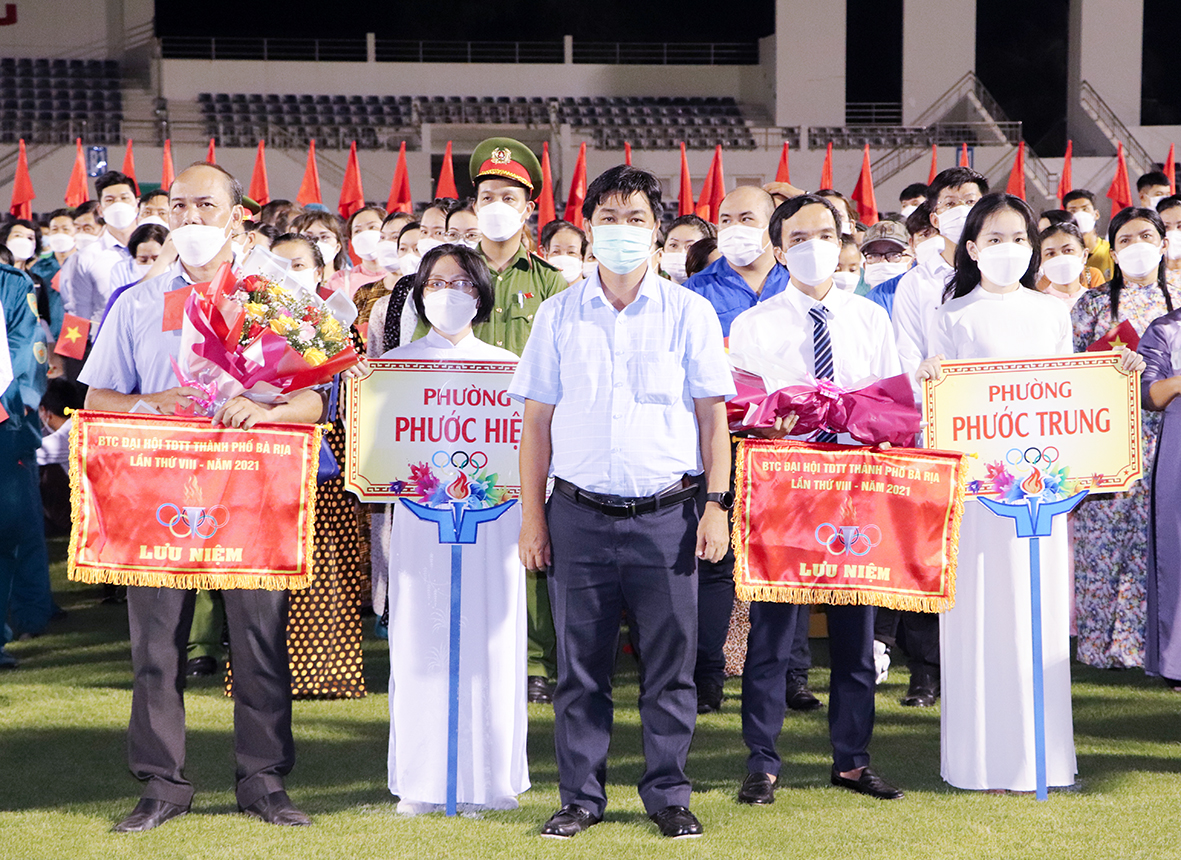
[
  {"x": 826, "y": 169},
  {"x": 545, "y": 202},
  {"x": 707, "y": 192},
  {"x": 783, "y": 174},
  {"x": 713, "y": 189},
  {"x": 1171, "y": 168},
  {"x": 685, "y": 200},
  {"x": 76, "y": 191},
  {"x": 627, "y": 153},
  {"x": 167, "y": 174},
  {"x": 209, "y": 156},
  {"x": 964, "y": 155},
  {"x": 309, "y": 188},
  {"x": 1016, "y": 185},
  {"x": 22, "y": 187},
  {"x": 260, "y": 191},
  {"x": 72, "y": 341},
  {"x": 1066, "y": 181},
  {"x": 400, "y": 199},
  {"x": 934, "y": 171},
  {"x": 446, "y": 186},
  {"x": 352, "y": 197},
  {"x": 1120, "y": 190},
  {"x": 867, "y": 205},
  {"x": 129, "y": 164},
  {"x": 577, "y": 189}
]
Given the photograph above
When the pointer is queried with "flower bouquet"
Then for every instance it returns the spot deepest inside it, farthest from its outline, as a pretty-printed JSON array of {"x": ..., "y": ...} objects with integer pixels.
[{"x": 264, "y": 336}]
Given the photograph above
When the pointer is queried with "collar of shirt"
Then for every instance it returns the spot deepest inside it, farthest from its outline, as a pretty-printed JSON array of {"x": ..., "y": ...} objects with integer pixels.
[
  {"x": 436, "y": 340},
  {"x": 936, "y": 265},
  {"x": 520, "y": 260},
  {"x": 107, "y": 241},
  {"x": 774, "y": 283},
  {"x": 649, "y": 291},
  {"x": 833, "y": 300}
]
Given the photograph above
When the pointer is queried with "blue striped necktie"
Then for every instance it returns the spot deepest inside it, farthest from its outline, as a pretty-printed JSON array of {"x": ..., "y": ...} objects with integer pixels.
[{"x": 822, "y": 356}]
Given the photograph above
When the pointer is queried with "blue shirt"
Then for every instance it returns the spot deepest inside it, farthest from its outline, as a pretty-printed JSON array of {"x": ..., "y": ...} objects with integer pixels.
[
  {"x": 29, "y": 355},
  {"x": 729, "y": 294},
  {"x": 883, "y": 293},
  {"x": 623, "y": 383}
]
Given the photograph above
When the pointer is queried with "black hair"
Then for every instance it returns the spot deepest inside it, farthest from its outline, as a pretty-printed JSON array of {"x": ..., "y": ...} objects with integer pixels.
[
  {"x": 302, "y": 222},
  {"x": 146, "y": 233},
  {"x": 464, "y": 206},
  {"x": 59, "y": 213},
  {"x": 89, "y": 207},
  {"x": 708, "y": 230},
  {"x": 623, "y": 180},
  {"x": 920, "y": 219},
  {"x": 793, "y": 205},
  {"x": 279, "y": 213},
  {"x": 471, "y": 263},
  {"x": 832, "y": 194},
  {"x": 915, "y": 189},
  {"x": 1169, "y": 202},
  {"x": 6, "y": 230},
  {"x": 61, "y": 394},
  {"x": 395, "y": 215},
  {"x": 406, "y": 228},
  {"x": 1078, "y": 194},
  {"x": 155, "y": 192},
  {"x": 268, "y": 231},
  {"x": 1116, "y": 284},
  {"x": 954, "y": 177},
  {"x": 697, "y": 257},
  {"x": 967, "y": 273},
  {"x": 446, "y": 205},
  {"x": 348, "y": 227},
  {"x": 5, "y": 256},
  {"x": 1152, "y": 177},
  {"x": 1057, "y": 216},
  {"x": 307, "y": 242},
  {"x": 555, "y": 227},
  {"x": 1067, "y": 228},
  {"x": 113, "y": 177}
]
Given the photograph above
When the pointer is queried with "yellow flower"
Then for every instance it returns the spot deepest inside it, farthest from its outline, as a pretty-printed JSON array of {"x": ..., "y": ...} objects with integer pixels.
[
  {"x": 255, "y": 310},
  {"x": 284, "y": 325},
  {"x": 279, "y": 293},
  {"x": 331, "y": 329},
  {"x": 314, "y": 357}
]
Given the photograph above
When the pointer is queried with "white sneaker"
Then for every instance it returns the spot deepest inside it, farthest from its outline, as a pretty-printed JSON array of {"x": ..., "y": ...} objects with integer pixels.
[{"x": 881, "y": 661}]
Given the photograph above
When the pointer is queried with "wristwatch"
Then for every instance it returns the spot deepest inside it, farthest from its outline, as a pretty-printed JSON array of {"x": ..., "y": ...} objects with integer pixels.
[{"x": 724, "y": 500}]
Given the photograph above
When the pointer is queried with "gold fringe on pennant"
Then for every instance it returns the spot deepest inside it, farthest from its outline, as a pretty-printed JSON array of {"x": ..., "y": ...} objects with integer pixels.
[
  {"x": 841, "y": 597},
  {"x": 75, "y": 494},
  {"x": 194, "y": 579}
]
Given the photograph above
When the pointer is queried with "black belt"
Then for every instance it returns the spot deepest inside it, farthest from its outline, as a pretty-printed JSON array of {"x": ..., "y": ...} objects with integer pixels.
[{"x": 628, "y": 506}]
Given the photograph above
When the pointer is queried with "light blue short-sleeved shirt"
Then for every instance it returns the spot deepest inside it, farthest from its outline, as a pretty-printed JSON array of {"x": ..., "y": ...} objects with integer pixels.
[
  {"x": 131, "y": 352},
  {"x": 623, "y": 383}
]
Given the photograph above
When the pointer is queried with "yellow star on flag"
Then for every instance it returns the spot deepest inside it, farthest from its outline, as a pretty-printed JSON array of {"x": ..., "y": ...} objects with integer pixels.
[
  {"x": 1117, "y": 344},
  {"x": 72, "y": 334}
]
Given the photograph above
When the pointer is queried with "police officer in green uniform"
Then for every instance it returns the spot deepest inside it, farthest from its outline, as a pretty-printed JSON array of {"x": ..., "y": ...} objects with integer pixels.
[{"x": 507, "y": 177}]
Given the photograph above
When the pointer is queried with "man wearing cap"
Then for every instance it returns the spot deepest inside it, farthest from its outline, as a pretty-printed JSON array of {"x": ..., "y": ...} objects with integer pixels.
[
  {"x": 887, "y": 252},
  {"x": 507, "y": 177}
]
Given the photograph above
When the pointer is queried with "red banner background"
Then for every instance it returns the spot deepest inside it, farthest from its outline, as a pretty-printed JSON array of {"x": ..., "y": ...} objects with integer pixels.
[
  {"x": 836, "y": 524},
  {"x": 175, "y": 502}
]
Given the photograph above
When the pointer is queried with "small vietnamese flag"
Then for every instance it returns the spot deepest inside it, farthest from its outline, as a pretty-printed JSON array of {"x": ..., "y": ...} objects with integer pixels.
[
  {"x": 22, "y": 187},
  {"x": 964, "y": 155},
  {"x": 863, "y": 196},
  {"x": 545, "y": 202},
  {"x": 209, "y": 156},
  {"x": 783, "y": 174},
  {"x": 1016, "y": 185},
  {"x": 129, "y": 165},
  {"x": 577, "y": 189},
  {"x": 72, "y": 341},
  {"x": 309, "y": 187},
  {"x": 1120, "y": 191},
  {"x": 260, "y": 191},
  {"x": 1117, "y": 338},
  {"x": 826, "y": 169},
  {"x": 446, "y": 184},
  {"x": 167, "y": 174},
  {"x": 685, "y": 198},
  {"x": 400, "y": 199},
  {"x": 627, "y": 153},
  {"x": 352, "y": 197}
]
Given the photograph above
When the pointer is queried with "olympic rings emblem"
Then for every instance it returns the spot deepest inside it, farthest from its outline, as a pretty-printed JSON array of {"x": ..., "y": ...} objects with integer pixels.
[
  {"x": 853, "y": 540},
  {"x": 193, "y": 521},
  {"x": 459, "y": 459},
  {"x": 1033, "y": 456}
]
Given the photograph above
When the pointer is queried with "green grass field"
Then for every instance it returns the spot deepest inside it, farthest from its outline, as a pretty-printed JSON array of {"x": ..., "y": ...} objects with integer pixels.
[{"x": 63, "y": 777}]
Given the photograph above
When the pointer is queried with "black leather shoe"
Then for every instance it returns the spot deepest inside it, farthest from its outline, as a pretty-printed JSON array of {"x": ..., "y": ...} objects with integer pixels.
[
  {"x": 709, "y": 697},
  {"x": 569, "y": 821},
  {"x": 541, "y": 691},
  {"x": 677, "y": 822},
  {"x": 200, "y": 667},
  {"x": 757, "y": 788},
  {"x": 276, "y": 808},
  {"x": 149, "y": 813},
  {"x": 799, "y": 697},
  {"x": 868, "y": 783},
  {"x": 922, "y": 693}
]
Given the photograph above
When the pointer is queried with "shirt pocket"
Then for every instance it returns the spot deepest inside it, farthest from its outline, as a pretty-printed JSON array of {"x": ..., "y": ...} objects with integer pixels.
[{"x": 656, "y": 377}]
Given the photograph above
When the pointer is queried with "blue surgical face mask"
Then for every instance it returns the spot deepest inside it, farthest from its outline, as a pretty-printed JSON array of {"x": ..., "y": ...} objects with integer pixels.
[{"x": 621, "y": 248}]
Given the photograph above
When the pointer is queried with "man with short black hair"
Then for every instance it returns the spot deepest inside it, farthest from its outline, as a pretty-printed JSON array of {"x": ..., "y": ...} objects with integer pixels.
[
  {"x": 1081, "y": 204},
  {"x": 609, "y": 359},
  {"x": 910, "y": 198},
  {"x": 1152, "y": 188}
]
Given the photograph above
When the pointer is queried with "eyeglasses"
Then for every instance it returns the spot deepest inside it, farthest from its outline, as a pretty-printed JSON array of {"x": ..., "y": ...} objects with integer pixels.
[
  {"x": 892, "y": 257},
  {"x": 461, "y": 284},
  {"x": 469, "y": 236},
  {"x": 950, "y": 203}
]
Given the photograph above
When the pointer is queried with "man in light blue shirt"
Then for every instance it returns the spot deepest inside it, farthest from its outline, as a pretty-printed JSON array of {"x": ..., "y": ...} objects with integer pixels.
[{"x": 624, "y": 380}]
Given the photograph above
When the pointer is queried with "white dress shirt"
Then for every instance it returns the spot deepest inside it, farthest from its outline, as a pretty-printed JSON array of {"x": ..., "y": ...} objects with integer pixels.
[
  {"x": 623, "y": 383},
  {"x": 919, "y": 295},
  {"x": 774, "y": 339},
  {"x": 55, "y": 447},
  {"x": 86, "y": 278},
  {"x": 434, "y": 346},
  {"x": 983, "y": 325}
]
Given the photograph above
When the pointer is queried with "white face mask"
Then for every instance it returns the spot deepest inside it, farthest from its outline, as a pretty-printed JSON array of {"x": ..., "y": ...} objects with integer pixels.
[
  {"x": 879, "y": 273},
  {"x": 742, "y": 245},
  {"x": 365, "y": 244},
  {"x": 498, "y": 221},
  {"x": 1139, "y": 260},
  {"x": 1173, "y": 252},
  {"x": 197, "y": 244},
  {"x": 846, "y": 281},
  {"x": 929, "y": 248},
  {"x": 470, "y": 243},
  {"x": 387, "y": 256},
  {"x": 673, "y": 263},
  {"x": 153, "y": 219},
  {"x": 328, "y": 249},
  {"x": 60, "y": 243},
  {"x": 1063, "y": 269},
  {"x": 427, "y": 244},
  {"x": 570, "y": 267},
  {"x": 1085, "y": 221},
  {"x": 1152, "y": 201},
  {"x": 138, "y": 270},
  {"x": 408, "y": 263},
  {"x": 21, "y": 246},
  {"x": 906, "y": 210},
  {"x": 84, "y": 240},
  {"x": 622, "y": 248},
  {"x": 588, "y": 268},
  {"x": 812, "y": 262},
  {"x": 951, "y": 222},
  {"x": 120, "y": 215},
  {"x": 450, "y": 311},
  {"x": 1004, "y": 264},
  {"x": 306, "y": 278}
]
